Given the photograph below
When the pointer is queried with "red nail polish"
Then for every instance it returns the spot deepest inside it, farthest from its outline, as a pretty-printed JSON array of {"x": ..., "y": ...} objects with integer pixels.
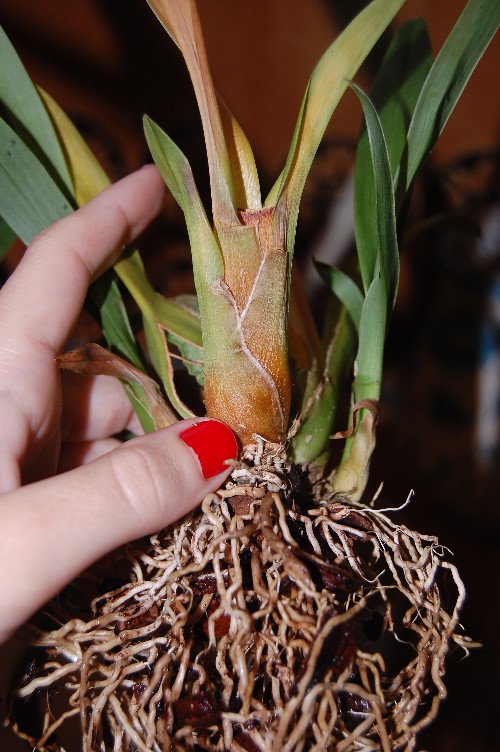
[{"x": 213, "y": 443}]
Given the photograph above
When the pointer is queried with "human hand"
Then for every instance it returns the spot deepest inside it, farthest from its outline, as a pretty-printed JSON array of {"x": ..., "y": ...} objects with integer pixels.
[{"x": 52, "y": 526}]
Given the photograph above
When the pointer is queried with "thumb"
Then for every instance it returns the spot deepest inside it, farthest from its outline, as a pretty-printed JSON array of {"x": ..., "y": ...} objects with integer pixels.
[{"x": 54, "y": 529}]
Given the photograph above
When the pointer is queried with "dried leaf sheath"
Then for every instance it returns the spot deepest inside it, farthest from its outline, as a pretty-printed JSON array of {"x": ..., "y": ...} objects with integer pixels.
[{"x": 247, "y": 382}]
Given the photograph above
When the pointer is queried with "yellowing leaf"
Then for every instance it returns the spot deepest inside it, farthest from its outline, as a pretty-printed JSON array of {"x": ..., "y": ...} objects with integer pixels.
[
  {"x": 245, "y": 179},
  {"x": 86, "y": 173},
  {"x": 180, "y": 19},
  {"x": 326, "y": 86}
]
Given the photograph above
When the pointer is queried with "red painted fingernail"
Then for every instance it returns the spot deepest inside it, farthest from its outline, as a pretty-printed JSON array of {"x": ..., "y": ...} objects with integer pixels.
[{"x": 213, "y": 443}]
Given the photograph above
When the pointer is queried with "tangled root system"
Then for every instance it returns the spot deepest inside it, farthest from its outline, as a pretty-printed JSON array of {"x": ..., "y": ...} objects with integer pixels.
[{"x": 265, "y": 621}]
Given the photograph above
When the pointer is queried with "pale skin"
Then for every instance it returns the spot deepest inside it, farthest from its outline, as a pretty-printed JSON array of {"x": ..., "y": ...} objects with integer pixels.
[{"x": 54, "y": 524}]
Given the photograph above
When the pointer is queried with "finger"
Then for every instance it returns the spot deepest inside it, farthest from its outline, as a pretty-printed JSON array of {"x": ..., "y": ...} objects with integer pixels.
[
  {"x": 55, "y": 528},
  {"x": 44, "y": 296},
  {"x": 14, "y": 435},
  {"x": 38, "y": 306},
  {"x": 95, "y": 407},
  {"x": 76, "y": 453}
]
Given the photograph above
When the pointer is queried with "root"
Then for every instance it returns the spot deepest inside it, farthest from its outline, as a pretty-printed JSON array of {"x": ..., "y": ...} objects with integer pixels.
[{"x": 261, "y": 622}]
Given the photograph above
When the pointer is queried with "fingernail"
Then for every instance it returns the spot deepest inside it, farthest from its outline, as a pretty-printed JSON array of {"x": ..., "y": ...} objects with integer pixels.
[{"x": 213, "y": 443}]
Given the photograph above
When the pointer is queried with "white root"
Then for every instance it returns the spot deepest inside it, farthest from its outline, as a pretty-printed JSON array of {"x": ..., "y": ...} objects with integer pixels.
[{"x": 240, "y": 627}]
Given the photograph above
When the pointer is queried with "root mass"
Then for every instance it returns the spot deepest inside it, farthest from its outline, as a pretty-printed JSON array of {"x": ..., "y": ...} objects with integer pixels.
[{"x": 266, "y": 621}]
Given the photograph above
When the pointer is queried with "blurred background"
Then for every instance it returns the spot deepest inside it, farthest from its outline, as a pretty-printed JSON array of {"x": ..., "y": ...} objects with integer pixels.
[{"x": 107, "y": 62}]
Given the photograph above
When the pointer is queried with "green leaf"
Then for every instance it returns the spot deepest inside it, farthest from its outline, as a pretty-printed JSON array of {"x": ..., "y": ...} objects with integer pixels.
[
  {"x": 325, "y": 89},
  {"x": 191, "y": 356},
  {"x": 380, "y": 252},
  {"x": 177, "y": 174},
  {"x": 187, "y": 336},
  {"x": 379, "y": 262},
  {"x": 171, "y": 320},
  {"x": 162, "y": 318},
  {"x": 351, "y": 476},
  {"x": 369, "y": 358},
  {"x": 216, "y": 312},
  {"x": 106, "y": 295},
  {"x": 379, "y": 265},
  {"x": 394, "y": 93},
  {"x": 321, "y": 402},
  {"x": 448, "y": 76},
  {"x": 174, "y": 314},
  {"x": 398, "y": 84},
  {"x": 30, "y": 200},
  {"x": 25, "y": 112},
  {"x": 344, "y": 288},
  {"x": 161, "y": 359}
]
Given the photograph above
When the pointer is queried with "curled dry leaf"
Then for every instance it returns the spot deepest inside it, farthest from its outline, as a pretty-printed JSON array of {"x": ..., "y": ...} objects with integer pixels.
[
  {"x": 94, "y": 360},
  {"x": 365, "y": 404}
]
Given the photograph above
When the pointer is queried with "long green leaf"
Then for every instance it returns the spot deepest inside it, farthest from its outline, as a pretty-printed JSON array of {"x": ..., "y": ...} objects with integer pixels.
[
  {"x": 325, "y": 89},
  {"x": 344, "y": 288},
  {"x": 89, "y": 179},
  {"x": 30, "y": 200},
  {"x": 352, "y": 474},
  {"x": 105, "y": 294},
  {"x": 398, "y": 83},
  {"x": 207, "y": 258},
  {"x": 172, "y": 314},
  {"x": 25, "y": 112},
  {"x": 369, "y": 358},
  {"x": 394, "y": 93},
  {"x": 176, "y": 172},
  {"x": 162, "y": 361},
  {"x": 384, "y": 242},
  {"x": 449, "y": 74}
]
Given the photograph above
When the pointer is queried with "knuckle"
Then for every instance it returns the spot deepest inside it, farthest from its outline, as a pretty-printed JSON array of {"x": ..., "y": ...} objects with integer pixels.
[
  {"x": 60, "y": 237},
  {"x": 146, "y": 480}
]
